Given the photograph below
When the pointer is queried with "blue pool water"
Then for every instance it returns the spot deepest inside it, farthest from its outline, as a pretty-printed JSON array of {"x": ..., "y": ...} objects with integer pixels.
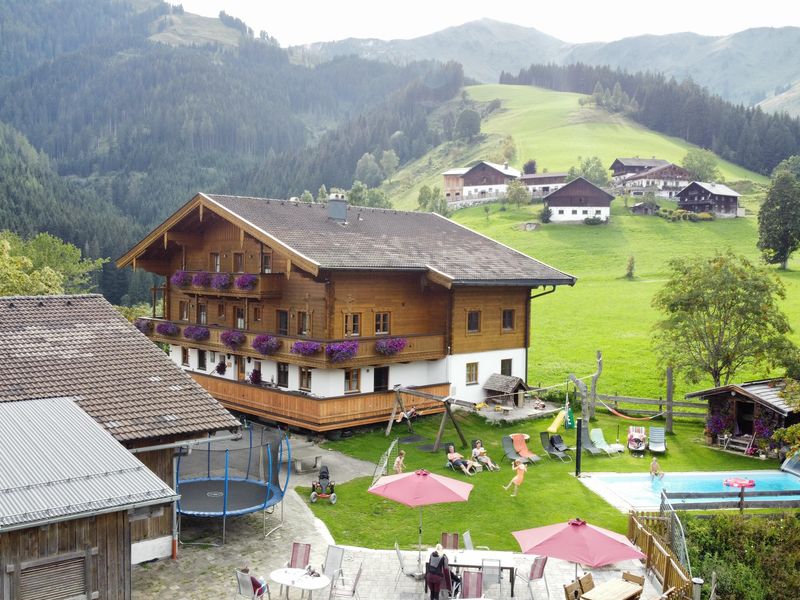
[{"x": 641, "y": 491}]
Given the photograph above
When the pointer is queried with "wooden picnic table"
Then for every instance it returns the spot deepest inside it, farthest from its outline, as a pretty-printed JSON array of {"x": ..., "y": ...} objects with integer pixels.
[{"x": 616, "y": 589}]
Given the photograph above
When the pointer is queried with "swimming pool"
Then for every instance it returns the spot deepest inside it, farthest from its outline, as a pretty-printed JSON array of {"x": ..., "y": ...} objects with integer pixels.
[{"x": 641, "y": 492}]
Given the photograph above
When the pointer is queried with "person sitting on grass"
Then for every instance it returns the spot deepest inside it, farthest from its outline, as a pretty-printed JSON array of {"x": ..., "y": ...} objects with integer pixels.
[
  {"x": 655, "y": 469},
  {"x": 457, "y": 460},
  {"x": 479, "y": 455}
]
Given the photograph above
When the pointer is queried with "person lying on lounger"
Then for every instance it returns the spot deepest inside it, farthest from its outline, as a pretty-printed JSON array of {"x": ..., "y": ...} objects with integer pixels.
[
  {"x": 457, "y": 460},
  {"x": 479, "y": 455}
]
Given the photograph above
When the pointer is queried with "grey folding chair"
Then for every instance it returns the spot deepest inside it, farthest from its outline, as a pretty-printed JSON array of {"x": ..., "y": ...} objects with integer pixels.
[
  {"x": 492, "y": 573},
  {"x": 468, "y": 545},
  {"x": 333, "y": 562},
  {"x": 343, "y": 588},
  {"x": 402, "y": 570}
]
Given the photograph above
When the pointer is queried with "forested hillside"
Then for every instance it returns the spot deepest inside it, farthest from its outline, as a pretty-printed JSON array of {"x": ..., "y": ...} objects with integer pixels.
[
  {"x": 141, "y": 125},
  {"x": 746, "y": 136}
]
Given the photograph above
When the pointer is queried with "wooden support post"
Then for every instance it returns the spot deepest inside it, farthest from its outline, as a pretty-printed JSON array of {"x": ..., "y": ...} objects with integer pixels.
[
  {"x": 668, "y": 426},
  {"x": 595, "y": 377},
  {"x": 438, "y": 442},
  {"x": 455, "y": 423},
  {"x": 398, "y": 403}
]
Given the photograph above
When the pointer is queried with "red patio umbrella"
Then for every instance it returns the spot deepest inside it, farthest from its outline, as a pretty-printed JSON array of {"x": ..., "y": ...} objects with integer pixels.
[
  {"x": 578, "y": 542},
  {"x": 420, "y": 488}
]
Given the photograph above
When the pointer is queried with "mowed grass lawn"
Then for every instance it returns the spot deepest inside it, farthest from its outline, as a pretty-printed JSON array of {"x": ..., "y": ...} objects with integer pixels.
[
  {"x": 604, "y": 310},
  {"x": 550, "y": 493}
]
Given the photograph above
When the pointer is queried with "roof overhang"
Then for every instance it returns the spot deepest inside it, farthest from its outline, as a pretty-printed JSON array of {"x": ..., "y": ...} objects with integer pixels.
[
  {"x": 203, "y": 202},
  {"x": 733, "y": 389}
]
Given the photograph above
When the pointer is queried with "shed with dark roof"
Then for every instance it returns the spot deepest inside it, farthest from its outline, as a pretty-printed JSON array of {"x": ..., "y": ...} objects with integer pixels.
[{"x": 505, "y": 389}]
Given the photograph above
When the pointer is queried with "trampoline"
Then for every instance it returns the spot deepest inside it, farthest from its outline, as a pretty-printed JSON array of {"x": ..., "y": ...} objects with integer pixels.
[{"x": 234, "y": 477}]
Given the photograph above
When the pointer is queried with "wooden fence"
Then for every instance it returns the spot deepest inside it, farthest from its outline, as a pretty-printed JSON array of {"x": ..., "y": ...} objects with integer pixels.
[
  {"x": 663, "y": 405},
  {"x": 643, "y": 530}
]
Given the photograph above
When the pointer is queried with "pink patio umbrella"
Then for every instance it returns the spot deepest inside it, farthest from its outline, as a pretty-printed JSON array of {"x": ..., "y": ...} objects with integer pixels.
[
  {"x": 418, "y": 489},
  {"x": 578, "y": 542}
]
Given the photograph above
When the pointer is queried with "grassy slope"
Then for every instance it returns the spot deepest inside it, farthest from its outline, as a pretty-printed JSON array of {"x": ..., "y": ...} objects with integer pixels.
[
  {"x": 605, "y": 311},
  {"x": 550, "y": 493},
  {"x": 551, "y": 127},
  {"x": 189, "y": 29}
]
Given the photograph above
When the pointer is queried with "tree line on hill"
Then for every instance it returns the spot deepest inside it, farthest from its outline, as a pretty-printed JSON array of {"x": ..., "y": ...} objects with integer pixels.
[{"x": 746, "y": 136}]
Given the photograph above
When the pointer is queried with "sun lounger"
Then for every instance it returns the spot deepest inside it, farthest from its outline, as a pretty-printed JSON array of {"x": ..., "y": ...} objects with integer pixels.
[
  {"x": 587, "y": 445},
  {"x": 599, "y": 441},
  {"x": 559, "y": 443},
  {"x": 658, "y": 442},
  {"x": 637, "y": 439},
  {"x": 548, "y": 447},
  {"x": 508, "y": 449},
  {"x": 522, "y": 448}
]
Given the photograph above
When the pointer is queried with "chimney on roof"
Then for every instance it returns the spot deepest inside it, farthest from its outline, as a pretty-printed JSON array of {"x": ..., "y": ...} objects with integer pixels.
[
  {"x": 505, "y": 165},
  {"x": 337, "y": 207}
]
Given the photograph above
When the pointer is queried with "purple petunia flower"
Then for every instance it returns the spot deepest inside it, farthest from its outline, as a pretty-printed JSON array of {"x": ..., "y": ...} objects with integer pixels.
[
  {"x": 390, "y": 346},
  {"x": 232, "y": 338},
  {"x": 266, "y": 344},
  {"x": 341, "y": 351}
]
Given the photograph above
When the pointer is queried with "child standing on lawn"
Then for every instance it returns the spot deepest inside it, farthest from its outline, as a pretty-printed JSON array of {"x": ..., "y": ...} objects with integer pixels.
[{"x": 519, "y": 468}]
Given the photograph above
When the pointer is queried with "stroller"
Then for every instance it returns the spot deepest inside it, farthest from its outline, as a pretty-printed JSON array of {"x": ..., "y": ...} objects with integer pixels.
[{"x": 323, "y": 487}]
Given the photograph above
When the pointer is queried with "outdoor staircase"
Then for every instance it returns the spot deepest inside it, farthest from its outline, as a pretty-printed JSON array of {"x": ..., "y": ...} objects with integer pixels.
[{"x": 738, "y": 443}]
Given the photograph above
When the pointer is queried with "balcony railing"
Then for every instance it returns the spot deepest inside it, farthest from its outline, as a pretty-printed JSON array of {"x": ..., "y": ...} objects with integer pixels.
[
  {"x": 317, "y": 414},
  {"x": 265, "y": 285},
  {"x": 419, "y": 347}
]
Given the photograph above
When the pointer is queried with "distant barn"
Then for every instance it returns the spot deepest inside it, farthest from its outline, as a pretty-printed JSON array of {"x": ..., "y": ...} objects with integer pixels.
[{"x": 579, "y": 200}]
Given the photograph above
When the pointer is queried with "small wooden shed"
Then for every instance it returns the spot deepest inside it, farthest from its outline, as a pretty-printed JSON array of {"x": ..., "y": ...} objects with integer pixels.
[{"x": 505, "y": 389}]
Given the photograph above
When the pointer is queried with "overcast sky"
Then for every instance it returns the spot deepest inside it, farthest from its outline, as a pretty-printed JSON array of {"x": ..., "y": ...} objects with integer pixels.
[{"x": 304, "y": 21}]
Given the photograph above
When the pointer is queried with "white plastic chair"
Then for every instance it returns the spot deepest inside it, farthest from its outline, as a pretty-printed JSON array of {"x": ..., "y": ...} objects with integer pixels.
[
  {"x": 467, "y": 538},
  {"x": 342, "y": 589},
  {"x": 245, "y": 587},
  {"x": 536, "y": 574}
]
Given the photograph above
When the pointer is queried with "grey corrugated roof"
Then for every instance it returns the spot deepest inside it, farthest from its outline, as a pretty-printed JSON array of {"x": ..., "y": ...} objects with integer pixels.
[
  {"x": 533, "y": 176},
  {"x": 380, "y": 239},
  {"x": 80, "y": 346},
  {"x": 456, "y": 171},
  {"x": 57, "y": 463},
  {"x": 713, "y": 188},
  {"x": 505, "y": 384},
  {"x": 642, "y": 162},
  {"x": 766, "y": 392}
]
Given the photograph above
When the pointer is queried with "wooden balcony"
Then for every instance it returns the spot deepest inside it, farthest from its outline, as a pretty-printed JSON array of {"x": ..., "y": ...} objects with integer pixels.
[
  {"x": 316, "y": 414},
  {"x": 420, "y": 347},
  {"x": 268, "y": 285}
]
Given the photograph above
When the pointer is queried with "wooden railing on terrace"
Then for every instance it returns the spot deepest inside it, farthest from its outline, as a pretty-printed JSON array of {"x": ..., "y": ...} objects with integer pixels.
[
  {"x": 268, "y": 285},
  {"x": 309, "y": 412},
  {"x": 646, "y": 530},
  {"x": 420, "y": 347}
]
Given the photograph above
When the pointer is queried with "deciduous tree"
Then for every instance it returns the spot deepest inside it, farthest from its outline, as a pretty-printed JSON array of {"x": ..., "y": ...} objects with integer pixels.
[
  {"x": 779, "y": 220},
  {"x": 424, "y": 197},
  {"x": 389, "y": 162},
  {"x": 590, "y": 168},
  {"x": 701, "y": 164},
  {"x": 518, "y": 193},
  {"x": 468, "y": 125},
  {"x": 368, "y": 170},
  {"x": 720, "y": 314},
  {"x": 529, "y": 168},
  {"x": 18, "y": 277}
]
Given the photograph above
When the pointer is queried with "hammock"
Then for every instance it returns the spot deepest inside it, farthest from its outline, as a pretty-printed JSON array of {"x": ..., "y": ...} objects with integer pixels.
[{"x": 624, "y": 416}]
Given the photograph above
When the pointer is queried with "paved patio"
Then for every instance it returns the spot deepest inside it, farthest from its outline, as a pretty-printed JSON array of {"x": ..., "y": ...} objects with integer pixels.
[{"x": 208, "y": 572}]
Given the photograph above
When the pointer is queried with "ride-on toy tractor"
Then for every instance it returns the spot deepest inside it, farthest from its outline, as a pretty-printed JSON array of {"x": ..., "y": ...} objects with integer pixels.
[{"x": 323, "y": 487}]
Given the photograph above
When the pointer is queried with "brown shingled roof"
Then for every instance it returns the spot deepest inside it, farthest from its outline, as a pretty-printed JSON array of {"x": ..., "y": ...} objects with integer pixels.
[
  {"x": 380, "y": 239},
  {"x": 80, "y": 346}
]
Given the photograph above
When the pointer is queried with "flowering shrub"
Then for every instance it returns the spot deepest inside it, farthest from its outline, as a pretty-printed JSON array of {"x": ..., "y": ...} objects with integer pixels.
[
  {"x": 716, "y": 424},
  {"x": 201, "y": 279},
  {"x": 167, "y": 328},
  {"x": 221, "y": 281},
  {"x": 232, "y": 339},
  {"x": 390, "y": 346},
  {"x": 247, "y": 281},
  {"x": 143, "y": 325},
  {"x": 341, "y": 351},
  {"x": 255, "y": 377},
  {"x": 181, "y": 279},
  {"x": 266, "y": 344},
  {"x": 751, "y": 451},
  {"x": 761, "y": 429},
  {"x": 306, "y": 348},
  {"x": 198, "y": 333}
]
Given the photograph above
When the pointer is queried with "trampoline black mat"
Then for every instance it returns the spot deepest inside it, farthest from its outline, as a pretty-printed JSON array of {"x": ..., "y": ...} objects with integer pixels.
[
  {"x": 429, "y": 447},
  {"x": 411, "y": 439},
  {"x": 206, "y": 497}
]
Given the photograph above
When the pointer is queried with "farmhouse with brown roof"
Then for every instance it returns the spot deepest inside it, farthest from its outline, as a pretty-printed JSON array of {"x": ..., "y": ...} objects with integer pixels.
[{"x": 311, "y": 314}]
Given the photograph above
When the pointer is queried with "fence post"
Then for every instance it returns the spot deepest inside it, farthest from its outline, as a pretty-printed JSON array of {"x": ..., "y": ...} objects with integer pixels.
[
  {"x": 741, "y": 500},
  {"x": 669, "y": 400},
  {"x": 697, "y": 587}
]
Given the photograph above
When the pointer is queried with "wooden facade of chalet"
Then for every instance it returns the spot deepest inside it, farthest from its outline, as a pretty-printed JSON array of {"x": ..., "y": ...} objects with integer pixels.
[
  {"x": 714, "y": 198},
  {"x": 486, "y": 174},
  {"x": 341, "y": 288},
  {"x": 578, "y": 200}
]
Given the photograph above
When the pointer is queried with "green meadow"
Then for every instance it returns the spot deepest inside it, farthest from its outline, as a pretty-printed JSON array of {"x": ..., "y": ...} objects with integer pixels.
[{"x": 551, "y": 127}]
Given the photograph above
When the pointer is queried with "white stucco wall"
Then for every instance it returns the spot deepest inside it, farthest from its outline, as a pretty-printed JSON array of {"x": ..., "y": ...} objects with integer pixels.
[
  {"x": 489, "y": 190},
  {"x": 591, "y": 211},
  {"x": 488, "y": 363}
]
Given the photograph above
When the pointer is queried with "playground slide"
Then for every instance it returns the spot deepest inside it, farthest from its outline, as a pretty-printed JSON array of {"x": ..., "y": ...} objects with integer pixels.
[{"x": 557, "y": 422}]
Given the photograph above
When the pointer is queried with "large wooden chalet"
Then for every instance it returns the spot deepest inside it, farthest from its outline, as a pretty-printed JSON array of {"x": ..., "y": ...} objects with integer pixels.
[
  {"x": 541, "y": 184},
  {"x": 332, "y": 306},
  {"x": 624, "y": 167},
  {"x": 482, "y": 180},
  {"x": 664, "y": 181},
  {"x": 715, "y": 198},
  {"x": 578, "y": 200}
]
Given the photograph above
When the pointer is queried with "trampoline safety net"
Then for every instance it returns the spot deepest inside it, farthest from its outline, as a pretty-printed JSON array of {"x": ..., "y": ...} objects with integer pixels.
[{"x": 233, "y": 477}]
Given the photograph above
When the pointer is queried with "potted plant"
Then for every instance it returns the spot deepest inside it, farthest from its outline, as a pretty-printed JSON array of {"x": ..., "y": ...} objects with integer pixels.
[
  {"x": 709, "y": 436},
  {"x": 390, "y": 346},
  {"x": 201, "y": 279},
  {"x": 181, "y": 279},
  {"x": 255, "y": 377},
  {"x": 246, "y": 282},
  {"x": 221, "y": 281},
  {"x": 266, "y": 344},
  {"x": 198, "y": 333},
  {"x": 762, "y": 449},
  {"x": 306, "y": 348},
  {"x": 342, "y": 351},
  {"x": 167, "y": 328},
  {"x": 143, "y": 325},
  {"x": 232, "y": 338}
]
